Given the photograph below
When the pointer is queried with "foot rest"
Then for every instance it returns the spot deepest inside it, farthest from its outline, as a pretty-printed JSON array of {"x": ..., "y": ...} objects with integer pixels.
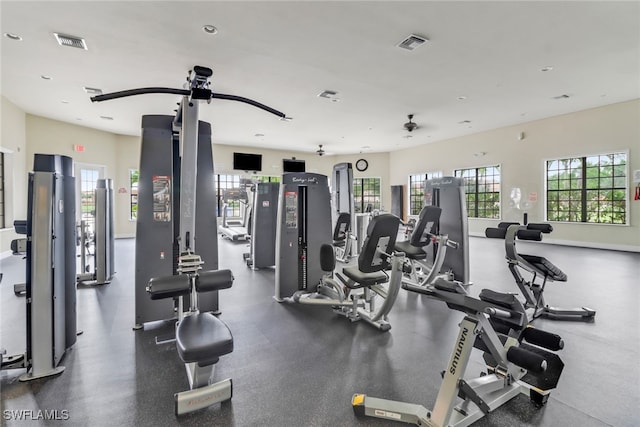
[{"x": 203, "y": 338}]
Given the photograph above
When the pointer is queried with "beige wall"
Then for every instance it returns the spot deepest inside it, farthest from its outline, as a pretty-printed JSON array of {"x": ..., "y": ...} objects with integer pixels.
[
  {"x": 272, "y": 164},
  {"x": 13, "y": 144},
  {"x": 601, "y": 130}
]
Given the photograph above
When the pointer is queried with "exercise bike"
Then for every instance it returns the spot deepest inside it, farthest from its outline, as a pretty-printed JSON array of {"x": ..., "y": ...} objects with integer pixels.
[{"x": 519, "y": 360}]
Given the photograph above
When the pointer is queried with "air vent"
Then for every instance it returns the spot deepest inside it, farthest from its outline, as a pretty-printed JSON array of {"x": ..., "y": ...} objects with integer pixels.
[
  {"x": 412, "y": 42},
  {"x": 563, "y": 96},
  {"x": 106, "y": 118},
  {"x": 329, "y": 94},
  {"x": 92, "y": 90},
  {"x": 70, "y": 41}
]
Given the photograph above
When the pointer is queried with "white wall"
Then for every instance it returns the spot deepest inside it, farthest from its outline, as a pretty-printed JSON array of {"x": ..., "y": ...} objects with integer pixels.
[
  {"x": 601, "y": 130},
  {"x": 13, "y": 144}
]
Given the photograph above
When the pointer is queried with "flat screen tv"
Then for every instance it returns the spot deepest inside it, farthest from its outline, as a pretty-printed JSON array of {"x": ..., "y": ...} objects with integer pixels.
[
  {"x": 290, "y": 165},
  {"x": 247, "y": 162}
]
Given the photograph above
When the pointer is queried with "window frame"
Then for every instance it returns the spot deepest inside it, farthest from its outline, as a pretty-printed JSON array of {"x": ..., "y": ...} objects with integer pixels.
[
  {"x": 425, "y": 176},
  {"x": 133, "y": 213},
  {"x": 359, "y": 206},
  {"x": 476, "y": 210},
  {"x": 584, "y": 189}
]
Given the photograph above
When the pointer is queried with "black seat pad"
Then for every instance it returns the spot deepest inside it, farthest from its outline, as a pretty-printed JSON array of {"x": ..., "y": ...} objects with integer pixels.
[
  {"x": 545, "y": 267},
  {"x": 412, "y": 252},
  {"x": 203, "y": 338},
  {"x": 506, "y": 300},
  {"x": 363, "y": 279}
]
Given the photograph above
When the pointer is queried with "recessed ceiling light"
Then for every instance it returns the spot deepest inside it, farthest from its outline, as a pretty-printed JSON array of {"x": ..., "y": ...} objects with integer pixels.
[
  {"x": 365, "y": 147},
  {"x": 13, "y": 36},
  {"x": 547, "y": 68},
  {"x": 43, "y": 77},
  {"x": 462, "y": 98},
  {"x": 209, "y": 29},
  {"x": 64, "y": 101},
  {"x": 258, "y": 135}
]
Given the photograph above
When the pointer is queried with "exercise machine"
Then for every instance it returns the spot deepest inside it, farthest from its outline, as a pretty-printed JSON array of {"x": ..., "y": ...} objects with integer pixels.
[
  {"x": 368, "y": 291},
  {"x": 102, "y": 239},
  {"x": 541, "y": 269},
  {"x": 343, "y": 212},
  {"x": 264, "y": 218},
  {"x": 441, "y": 225},
  {"x": 180, "y": 149},
  {"x": 304, "y": 225},
  {"x": 519, "y": 360},
  {"x": 50, "y": 269},
  {"x": 424, "y": 233},
  {"x": 19, "y": 248},
  {"x": 236, "y": 229}
]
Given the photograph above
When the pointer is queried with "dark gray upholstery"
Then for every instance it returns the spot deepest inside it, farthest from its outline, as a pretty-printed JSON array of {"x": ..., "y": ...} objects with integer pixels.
[
  {"x": 412, "y": 252},
  {"x": 343, "y": 224},
  {"x": 545, "y": 267},
  {"x": 327, "y": 258},
  {"x": 203, "y": 338},
  {"x": 364, "y": 279}
]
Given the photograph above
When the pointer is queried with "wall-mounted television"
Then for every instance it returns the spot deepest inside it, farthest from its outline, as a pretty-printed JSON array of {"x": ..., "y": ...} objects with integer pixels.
[
  {"x": 292, "y": 165},
  {"x": 247, "y": 162}
]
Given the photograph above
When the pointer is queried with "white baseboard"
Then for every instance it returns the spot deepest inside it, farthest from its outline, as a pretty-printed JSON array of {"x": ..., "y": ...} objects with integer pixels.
[
  {"x": 125, "y": 236},
  {"x": 593, "y": 245}
]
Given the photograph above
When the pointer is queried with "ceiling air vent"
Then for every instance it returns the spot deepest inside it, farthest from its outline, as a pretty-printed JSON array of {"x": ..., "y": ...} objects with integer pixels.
[
  {"x": 70, "y": 41},
  {"x": 92, "y": 90},
  {"x": 412, "y": 42}
]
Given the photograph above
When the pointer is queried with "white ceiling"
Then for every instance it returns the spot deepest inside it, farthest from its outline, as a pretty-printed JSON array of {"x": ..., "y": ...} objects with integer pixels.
[{"x": 284, "y": 54}]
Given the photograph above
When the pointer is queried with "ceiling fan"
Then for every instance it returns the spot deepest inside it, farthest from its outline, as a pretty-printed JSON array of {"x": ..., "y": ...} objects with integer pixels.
[
  {"x": 410, "y": 126},
  {"x": 320, "y": 151}
]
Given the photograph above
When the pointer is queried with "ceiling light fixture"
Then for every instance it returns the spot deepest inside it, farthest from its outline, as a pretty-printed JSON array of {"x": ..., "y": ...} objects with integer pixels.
[
  {"x": 70, "y": 41},
  {"x": 547, "y": 68},
  {"x": 259, "y": 135},
  {"x": 12, "y": 36},
  {"x": 563, "y": 96},
  {"x": 106, "y": 118},
  {"x": 43, "y": 77},
  {"x": 210, "y": 29},
  {"x": 462, "y": 98},
  {"x": 464, "y": 122},
  {"x": 64, "y": 101}
]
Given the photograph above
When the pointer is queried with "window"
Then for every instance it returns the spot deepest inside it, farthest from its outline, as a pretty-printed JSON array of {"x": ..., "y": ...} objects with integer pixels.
[
  {"x": 366, "y": 191},
  {"x": 222, "y": 183},
  {"x": 2, "y": 183},
  {"x": 88, "y": 180},
  {"x": 588, "y": 189},
  {"x": 482, "y": 191},
  {"x": 264, "y": 178},
  {"x": 416, "y": 190},
  {"x": 134, "y": 177}
]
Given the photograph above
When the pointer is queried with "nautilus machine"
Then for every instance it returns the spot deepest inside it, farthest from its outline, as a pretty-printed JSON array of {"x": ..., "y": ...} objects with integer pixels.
[{"x": 177, "y": 234}]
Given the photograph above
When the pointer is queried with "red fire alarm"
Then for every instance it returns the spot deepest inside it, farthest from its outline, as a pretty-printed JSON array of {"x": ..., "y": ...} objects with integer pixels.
[{"x": 78, "y": 148}]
